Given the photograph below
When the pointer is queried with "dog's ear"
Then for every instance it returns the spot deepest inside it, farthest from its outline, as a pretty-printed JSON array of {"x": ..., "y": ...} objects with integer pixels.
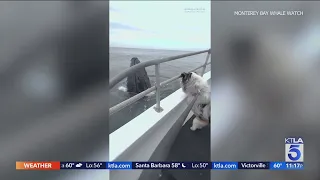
[{"x": 183, "y": 75}]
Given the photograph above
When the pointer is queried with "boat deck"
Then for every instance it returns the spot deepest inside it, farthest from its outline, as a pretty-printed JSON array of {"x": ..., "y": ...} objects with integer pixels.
[{"x": 189, "y": 146}]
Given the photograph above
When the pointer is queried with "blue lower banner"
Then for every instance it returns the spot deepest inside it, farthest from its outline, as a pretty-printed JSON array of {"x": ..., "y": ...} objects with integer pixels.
[{"x": 184, "y": 165}]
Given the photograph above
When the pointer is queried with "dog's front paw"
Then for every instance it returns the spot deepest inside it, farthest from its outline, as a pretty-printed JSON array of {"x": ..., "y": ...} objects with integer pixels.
[{"x": 193, "y": 128}]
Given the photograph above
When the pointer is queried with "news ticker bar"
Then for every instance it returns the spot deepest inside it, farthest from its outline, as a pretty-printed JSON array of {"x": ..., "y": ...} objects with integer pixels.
[{"x": 55, "y": 165}]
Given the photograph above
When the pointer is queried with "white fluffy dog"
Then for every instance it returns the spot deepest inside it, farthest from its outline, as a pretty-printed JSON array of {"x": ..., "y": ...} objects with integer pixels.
[{"x": 194, "y": 85}]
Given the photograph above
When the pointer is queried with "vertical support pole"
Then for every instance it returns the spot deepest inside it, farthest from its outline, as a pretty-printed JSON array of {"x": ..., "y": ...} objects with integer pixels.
[
  {"x": 158, "y": 88},
  {"x": 205, "y": 64}
]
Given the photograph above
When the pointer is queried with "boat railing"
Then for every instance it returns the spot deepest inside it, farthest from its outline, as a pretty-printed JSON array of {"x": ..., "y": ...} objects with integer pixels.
[{"x": 118, "y": 78}]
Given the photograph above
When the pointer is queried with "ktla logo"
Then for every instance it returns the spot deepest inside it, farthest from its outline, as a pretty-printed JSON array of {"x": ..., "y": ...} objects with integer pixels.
[{"x": 294, "y": 149}]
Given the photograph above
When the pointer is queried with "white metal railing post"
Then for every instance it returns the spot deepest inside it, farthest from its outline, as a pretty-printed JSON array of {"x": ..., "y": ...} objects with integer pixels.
[
  {"x": 158, "y": 89},
  {"x": 205, "y": 64}
]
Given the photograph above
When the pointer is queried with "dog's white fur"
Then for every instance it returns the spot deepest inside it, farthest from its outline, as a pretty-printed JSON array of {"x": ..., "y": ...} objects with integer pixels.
[{"x": 197, "y": 86}]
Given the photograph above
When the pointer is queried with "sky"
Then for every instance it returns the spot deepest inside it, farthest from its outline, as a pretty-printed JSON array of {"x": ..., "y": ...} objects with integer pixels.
[{"x": 177, "y": 25}]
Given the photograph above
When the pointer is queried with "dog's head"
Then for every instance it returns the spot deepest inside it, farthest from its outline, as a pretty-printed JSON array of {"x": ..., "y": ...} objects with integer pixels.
[{"x": 186, "y": 77}]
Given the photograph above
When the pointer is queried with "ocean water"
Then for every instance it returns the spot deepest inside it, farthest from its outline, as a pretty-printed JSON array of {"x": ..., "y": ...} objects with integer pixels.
[{"x": 119, "y": 60}]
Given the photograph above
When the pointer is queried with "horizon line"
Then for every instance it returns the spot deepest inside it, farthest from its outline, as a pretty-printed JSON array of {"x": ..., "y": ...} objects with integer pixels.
[{"x": 187, "y": 49}]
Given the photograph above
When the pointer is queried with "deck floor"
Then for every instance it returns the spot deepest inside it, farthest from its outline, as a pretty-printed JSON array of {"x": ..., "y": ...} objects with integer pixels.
[{"x": 189, "y": 146}]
